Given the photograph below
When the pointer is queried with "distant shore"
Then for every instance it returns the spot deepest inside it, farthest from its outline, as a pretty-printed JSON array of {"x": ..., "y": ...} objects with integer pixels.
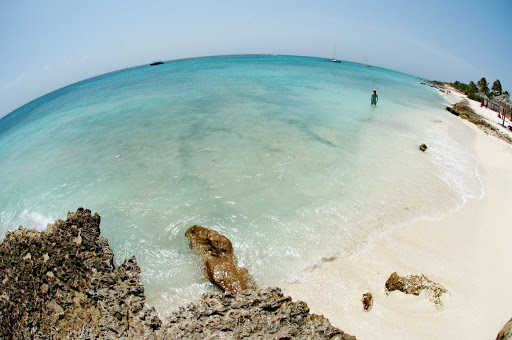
[{"x": 468, "y": 252}]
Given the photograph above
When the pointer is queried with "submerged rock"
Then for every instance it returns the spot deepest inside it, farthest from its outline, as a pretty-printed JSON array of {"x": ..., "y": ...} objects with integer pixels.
[
  {"x": 220, "y": 267},
  {"x": 415, "y": 284},
  {"x": 423, "y": 147},
  {"x": 506, "y": 331},
  {"x": 367, "y": 301},
  {"x": 62, "y": 283}
]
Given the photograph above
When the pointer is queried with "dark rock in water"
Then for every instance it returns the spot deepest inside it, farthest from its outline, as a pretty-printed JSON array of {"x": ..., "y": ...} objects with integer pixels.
[
  {"x": 506, "y": 332},
  {"x": 452, "y": 111},
  {"x": 221, "y": 268},
  {"x": 415, "y": 284},
  {"x": 367, "y": 301},
  {"x": 255, "y": 314},
  {"x": 423, "y": 147},
  {"x": 62, "y": 283}
]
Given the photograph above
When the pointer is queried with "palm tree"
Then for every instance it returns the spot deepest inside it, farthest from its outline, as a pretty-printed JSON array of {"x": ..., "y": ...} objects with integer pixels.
[
  {"x": 483, "y": 85},
  {"x": 496, "y": 87}
]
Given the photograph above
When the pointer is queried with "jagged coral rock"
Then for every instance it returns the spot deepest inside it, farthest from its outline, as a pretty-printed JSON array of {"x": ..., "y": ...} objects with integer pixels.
[
  {"x": 415, "y": 284},
  {"x": 62, "y": 283},
  {"x": 220, "y": 264},
  {"x": 252, "y": 314}
]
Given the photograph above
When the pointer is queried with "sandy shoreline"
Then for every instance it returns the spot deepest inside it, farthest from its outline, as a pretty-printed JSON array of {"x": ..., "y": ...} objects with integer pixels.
[{"x": 467, "y": 252}]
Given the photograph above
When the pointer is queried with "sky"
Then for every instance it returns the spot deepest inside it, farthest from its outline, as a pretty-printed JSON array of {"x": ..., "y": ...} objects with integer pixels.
[{"x": 45, "y": 45}]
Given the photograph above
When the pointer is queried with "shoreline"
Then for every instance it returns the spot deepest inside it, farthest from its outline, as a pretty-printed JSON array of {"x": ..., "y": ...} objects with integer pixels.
[
  {"x": 62, "y": 283},
  {"x": 467, "y": 252}
]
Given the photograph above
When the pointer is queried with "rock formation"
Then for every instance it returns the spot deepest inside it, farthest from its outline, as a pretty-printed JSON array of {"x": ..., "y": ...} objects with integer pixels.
[
  {"x": 506, "y": 332},
  {"x": 415, "y": 284},
  {"x": 220, "y": 264},
  {"x": 62, "y": 283},
  {"x": 253, "y": 314},
  {"x": 367, "y": 301}
]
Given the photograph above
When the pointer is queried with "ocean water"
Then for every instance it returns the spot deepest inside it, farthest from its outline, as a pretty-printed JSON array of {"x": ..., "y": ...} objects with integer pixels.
[{"x": 283, "y": 155}]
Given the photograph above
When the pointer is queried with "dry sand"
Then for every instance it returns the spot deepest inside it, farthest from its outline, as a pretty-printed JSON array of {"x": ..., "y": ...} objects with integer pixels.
[{"x": 468, "y": 252}]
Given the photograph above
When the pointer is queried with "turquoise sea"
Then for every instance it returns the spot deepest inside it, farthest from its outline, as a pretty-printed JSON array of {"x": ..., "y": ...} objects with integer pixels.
[{"x": 284, "y": 155}]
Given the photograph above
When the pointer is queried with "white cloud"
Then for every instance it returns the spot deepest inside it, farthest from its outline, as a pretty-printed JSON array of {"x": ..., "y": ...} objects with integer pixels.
[
  {"x": 15, "y": 82},
  {"x": 85, "y": 57}
]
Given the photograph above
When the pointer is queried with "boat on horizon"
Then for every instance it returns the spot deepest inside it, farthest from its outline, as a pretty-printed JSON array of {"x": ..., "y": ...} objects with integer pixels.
[
  {"x": 334, "y": 59},
  {"x": 156, "y": 63}
]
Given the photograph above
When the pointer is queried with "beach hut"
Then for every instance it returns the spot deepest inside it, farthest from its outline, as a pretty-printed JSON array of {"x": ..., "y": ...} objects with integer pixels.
[
  {"x": 485, "y": 99},
  {"x": 504, "y": 101},
  {"x": 490, "y": 103},
  {"x": 501, "y": 104},
  {"x": 506, "y": 105}
]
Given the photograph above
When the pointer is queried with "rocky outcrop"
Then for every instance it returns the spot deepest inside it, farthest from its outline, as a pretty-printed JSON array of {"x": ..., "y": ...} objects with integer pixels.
[
  {"x": 220, "y": 265},
  {"x": 506, "y": 332},
  {"x": 62, "y": 283},
  {"x": 415, "y": 284},
  {"x": 367, "y": 301},
  {"x": 252, "y": 314}
]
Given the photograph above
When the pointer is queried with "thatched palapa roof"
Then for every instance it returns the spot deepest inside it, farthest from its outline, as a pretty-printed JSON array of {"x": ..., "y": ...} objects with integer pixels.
[
  {"x": 503, "y": 100},
  {"x": 482, "y": 95}
]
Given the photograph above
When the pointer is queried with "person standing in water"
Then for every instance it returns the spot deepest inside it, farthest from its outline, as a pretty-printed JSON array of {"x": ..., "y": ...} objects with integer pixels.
[{"x": 374, "y": 98}]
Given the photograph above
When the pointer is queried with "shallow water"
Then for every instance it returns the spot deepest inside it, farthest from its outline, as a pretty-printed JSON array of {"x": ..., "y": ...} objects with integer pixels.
[{"x": 283, "y": 155}]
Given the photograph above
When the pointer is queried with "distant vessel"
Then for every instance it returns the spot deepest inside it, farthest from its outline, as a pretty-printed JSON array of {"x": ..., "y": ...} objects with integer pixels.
[
  {"x": 334, "y": 60},
  {"x": 365, "y": 63},
  {"x": 156, "y": 63}
]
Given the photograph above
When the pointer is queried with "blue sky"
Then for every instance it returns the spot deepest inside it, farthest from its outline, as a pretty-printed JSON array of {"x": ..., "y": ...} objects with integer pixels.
[{"x": 49, "y": 44}]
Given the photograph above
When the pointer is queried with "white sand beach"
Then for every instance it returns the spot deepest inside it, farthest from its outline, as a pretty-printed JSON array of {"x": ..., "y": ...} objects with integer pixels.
[{"x": 468, "y": 252}]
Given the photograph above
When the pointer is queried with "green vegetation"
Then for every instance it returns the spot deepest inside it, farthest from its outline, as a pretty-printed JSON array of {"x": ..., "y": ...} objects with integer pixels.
[
  {"x": 496, "y": 87},
  {"x": 474, "y": 96},
  {"x": 482, "y": 86},
  {"x": 472, "y": 87}
]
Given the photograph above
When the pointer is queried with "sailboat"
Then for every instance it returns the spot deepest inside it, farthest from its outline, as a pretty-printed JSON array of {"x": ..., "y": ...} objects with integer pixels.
[
  {"x": 365, "y": 63},
  {"x": 334, "y": 60}
]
